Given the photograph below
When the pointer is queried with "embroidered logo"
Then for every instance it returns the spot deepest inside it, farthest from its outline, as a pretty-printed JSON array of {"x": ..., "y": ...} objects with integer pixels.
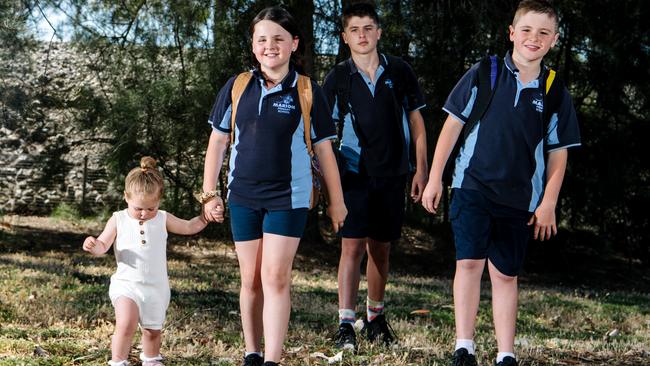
[
  {"x": 285, "y": 105},
  {"x": 389, "y": 82},
  {"x": 539, "y": 105}
]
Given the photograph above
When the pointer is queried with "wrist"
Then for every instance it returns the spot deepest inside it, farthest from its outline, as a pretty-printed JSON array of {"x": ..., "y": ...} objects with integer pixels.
[{"x": 207, "y": 196}]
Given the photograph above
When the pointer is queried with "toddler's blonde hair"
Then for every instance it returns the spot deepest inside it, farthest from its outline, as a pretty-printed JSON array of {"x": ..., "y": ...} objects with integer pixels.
[{"x": 145, "y": 180}]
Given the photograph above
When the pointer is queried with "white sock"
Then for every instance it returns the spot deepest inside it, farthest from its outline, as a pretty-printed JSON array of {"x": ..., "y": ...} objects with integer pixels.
[
  {"x": 502, "y": 355},
  {"x": 118, "y": 363},
  {"x": 347, "y": 316},
  {"x": 253, "y": 353},
  {"x": 144, "y": 358},
  {"x": 468, "y": 344}
]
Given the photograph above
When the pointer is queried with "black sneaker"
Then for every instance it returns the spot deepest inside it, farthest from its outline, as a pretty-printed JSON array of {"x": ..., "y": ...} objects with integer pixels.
[
  {"x": 253, "y": 360},
  {"x": 508, "y": 361},
  {"x": 270, "y": 363},
  {"x": 345, "y": 338},
  {"x": 462, "y": 358},
  {"x": 379, "y": 328}
]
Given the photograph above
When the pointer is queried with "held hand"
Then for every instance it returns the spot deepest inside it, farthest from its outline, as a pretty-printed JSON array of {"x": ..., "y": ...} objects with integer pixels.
[
  {"x": 544, "y": 221},
  {"x": 417, "y": 186},
  {"x": 337, "y": 213},
  {"x": 89, "y": 244},
  {"x": 431, "y": 196},
  {"x": 213, "y": 210}
]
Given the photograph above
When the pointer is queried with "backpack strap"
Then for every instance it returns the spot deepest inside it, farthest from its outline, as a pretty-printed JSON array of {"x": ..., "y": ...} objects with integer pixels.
[
  {"x": 553, "y": 88},
  {"x": 305, "y": 97},
  {"x": 488, "y": 72},
  {"x": 238, "y": 88}
]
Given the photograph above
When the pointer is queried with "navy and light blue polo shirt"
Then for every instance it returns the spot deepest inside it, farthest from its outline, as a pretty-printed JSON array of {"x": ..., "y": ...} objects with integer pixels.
[
  {"x": 504, "y": 155},
  {"x": 382, "y": 150},
  {"x": 270, "y": 167}
]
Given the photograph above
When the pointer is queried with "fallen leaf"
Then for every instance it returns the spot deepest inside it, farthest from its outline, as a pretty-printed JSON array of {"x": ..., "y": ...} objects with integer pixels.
[{"x": 330, "y": 360}]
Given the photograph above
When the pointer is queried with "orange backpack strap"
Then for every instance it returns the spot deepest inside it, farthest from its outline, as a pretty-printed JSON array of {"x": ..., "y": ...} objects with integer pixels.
[
  {"x": 306, "y": 101},
  {"x": 237, "y": 90}
]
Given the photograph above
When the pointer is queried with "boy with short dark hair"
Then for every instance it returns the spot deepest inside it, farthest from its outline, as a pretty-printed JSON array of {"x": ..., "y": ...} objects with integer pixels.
[
  {"x": 375, "y": 99},
  {"x": 507, "y": 176}
]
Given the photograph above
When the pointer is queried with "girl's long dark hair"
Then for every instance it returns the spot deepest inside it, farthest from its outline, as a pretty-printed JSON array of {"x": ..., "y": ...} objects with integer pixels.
[{"x": 282, "y": 17}]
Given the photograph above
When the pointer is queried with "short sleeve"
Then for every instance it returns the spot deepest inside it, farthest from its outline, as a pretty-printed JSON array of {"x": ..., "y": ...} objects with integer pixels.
[
  {"x": 329, "y": 90},
  {"x": 322, "y": 124},
  {"x": 222, "y": 108},
  {"x": 563, "y": 131},
  {"x": 414, "y": 98},
  {"x": 461, "y": 99}
]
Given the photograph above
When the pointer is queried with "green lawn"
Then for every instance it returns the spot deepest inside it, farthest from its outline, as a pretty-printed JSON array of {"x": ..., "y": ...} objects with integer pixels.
[{"x": 54, "y": 307}]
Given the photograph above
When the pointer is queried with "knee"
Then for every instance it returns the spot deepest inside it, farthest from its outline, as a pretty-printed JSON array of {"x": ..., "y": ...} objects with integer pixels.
[
  {"x": 499, "y": 278},
  {"x": 354, "y": 251},
  {"x": 125, "y": 328},
  {"x": 150, "y": 334},
  {"x": 470, "y": 265},
  {"x": 251, "y": 284},
  {"x": 276, "y": 279}
]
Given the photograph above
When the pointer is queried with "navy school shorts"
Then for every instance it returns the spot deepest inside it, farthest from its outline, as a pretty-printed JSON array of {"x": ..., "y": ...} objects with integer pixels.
[
  {"x": 375, "y": 207},
  {"x": 484, "y": 229},
  {"x": 250, "y": 224}
]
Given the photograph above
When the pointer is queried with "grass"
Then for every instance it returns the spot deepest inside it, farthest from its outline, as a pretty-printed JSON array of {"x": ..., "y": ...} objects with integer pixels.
[{"x": 54, "y": 306}]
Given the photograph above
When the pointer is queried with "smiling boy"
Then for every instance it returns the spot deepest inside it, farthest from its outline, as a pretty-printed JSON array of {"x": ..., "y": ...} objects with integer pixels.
[{"x": 507, "y": 176}]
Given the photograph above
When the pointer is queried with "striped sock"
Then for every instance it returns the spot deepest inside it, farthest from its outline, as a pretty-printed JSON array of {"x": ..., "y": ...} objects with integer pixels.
[
  {"x": 374, "y": 308},
  {"x": 347, "y": 316}
]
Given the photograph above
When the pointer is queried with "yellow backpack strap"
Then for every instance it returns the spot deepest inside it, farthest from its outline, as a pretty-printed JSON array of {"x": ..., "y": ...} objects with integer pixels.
[
  {"x": 237, "y": 90},
  {"x": 549, "y": 79},
  {"x": 305, "y": 97}
]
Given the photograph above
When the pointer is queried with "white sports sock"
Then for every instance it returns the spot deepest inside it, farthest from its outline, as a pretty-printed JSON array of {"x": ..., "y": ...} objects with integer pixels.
[
  {"x": 246, "y": 354},
  {"x": 468, "y": 344},
  {"x": 502, "y": 355},
  {"x": 347, "y": 316}
]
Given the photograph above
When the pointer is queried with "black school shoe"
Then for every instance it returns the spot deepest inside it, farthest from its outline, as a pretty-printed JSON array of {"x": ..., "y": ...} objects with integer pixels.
[
  {"x": 379, "y": 329},
  {"x": 508, "y": 361},
  {"x": 270, "y": 363},
  {"x": 345, "y": 337},
  {"x": 461, "y": 357},
  {"x": 253, "y": 360}
]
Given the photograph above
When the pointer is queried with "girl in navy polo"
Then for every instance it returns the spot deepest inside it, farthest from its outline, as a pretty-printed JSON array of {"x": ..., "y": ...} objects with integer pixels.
[{"x": 269, "y": 179}]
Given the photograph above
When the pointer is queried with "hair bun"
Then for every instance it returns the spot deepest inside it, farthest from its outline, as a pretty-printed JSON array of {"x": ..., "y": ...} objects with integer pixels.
[{"x": 147, "y": 162}]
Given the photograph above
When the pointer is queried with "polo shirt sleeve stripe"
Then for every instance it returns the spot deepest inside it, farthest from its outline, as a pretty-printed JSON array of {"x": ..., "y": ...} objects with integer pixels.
[
  {"x": 322, "y": 125},
  {"x": 461, "y": 99},
  {"x": 222, "y": 108},
  {"x": 563, "y": 130}
]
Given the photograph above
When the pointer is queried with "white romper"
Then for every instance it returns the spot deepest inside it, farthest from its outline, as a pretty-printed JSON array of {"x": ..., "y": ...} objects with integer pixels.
[{"x": 141, "y": 253}]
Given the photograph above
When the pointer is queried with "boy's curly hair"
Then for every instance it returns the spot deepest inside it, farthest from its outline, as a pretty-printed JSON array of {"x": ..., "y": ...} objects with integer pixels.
[{"x": 536, "y": 6}]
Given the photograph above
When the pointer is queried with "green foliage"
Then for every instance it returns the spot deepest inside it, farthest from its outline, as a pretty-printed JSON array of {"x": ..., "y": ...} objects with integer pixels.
[{"x": 66, "y": 211}]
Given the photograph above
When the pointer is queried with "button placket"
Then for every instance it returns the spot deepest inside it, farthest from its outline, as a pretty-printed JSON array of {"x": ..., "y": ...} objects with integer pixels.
[{"x": 142, "y": 239}]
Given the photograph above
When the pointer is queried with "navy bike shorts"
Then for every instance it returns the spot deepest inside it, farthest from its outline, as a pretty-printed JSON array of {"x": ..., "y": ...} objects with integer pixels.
[
  {"x": 484, "y": 229},
  {"x": 250, "y": 224}
]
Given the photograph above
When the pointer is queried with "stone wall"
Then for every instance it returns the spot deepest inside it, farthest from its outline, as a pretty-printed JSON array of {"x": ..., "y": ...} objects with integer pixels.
[{"x": 42, "y": 152}]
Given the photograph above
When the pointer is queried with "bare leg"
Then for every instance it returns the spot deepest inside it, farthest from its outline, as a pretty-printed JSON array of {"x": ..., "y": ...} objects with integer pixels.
[
  {"x": 251, "y": 297},
  {"x": 151, "y": 339},
  {"x": 467, "y": 294},
  {"x": 126, "y": 322},
  {"x": 504, "y": 308},
  {"x": 352, "y": 252},
  {"x": 377, "y": 269},
  {"x": 277, "y": 260}
]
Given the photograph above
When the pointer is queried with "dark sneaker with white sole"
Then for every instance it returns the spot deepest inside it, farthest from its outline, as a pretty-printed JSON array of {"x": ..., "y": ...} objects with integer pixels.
[
  {"x": 345, "y": 337},
  {"x": 461, "y": 357}
]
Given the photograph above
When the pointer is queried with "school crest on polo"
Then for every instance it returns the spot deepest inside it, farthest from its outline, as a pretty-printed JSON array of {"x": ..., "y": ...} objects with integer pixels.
[
  {"x": 539, "y": 105},
  {"x": 285, "y": 105}
]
